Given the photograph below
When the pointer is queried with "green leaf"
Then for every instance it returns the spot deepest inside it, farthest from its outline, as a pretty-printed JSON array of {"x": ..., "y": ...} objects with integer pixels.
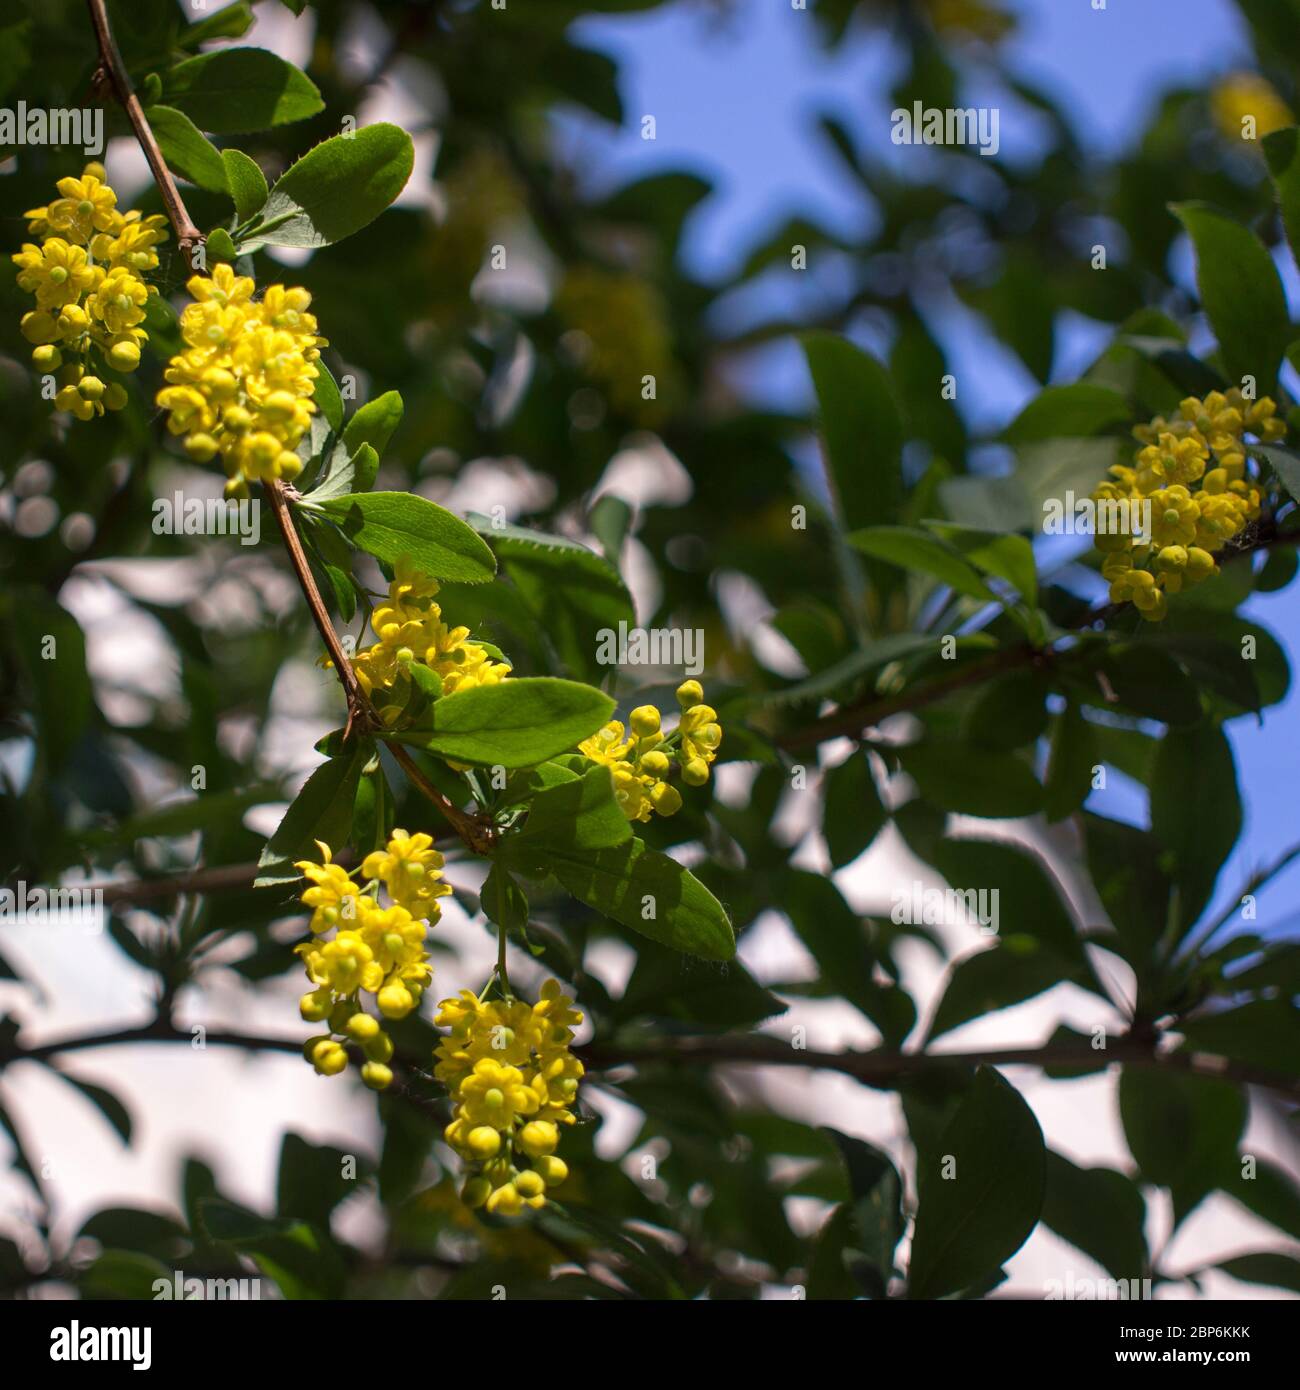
[
  {"x": 649, "y": 892},
  {"x": 997, "y": 553},
  {"x": 1146, "y": 681},
  {"x": 1282, "y": 151},
  {"x": 1070, "y": 763},
  {"x": 969, "y": 1222},
  {"x": 581, "y": 814},
  {"x": 106, "y": 1103},
  {"x": 347, "y": 475},
  {"x": 374, "y": 423},
  {"x": 1272, "y": 1194},
  {"x": 1262, "y": 1033},
  {"x": 135, "y": 1228},
  {"x": 322, "y": 810},
  {"x": 310, "y": 1182},
  {"x": 995, "y": 979},
  {"x": 972, "y": 781},
  {"x": 391, "y": 525},
  {"x": 1099, "y": 1211},
  {"x": 665, "y": 986},
  {"x": 1273, "y": 1268},
  {"x": 336, "y": 189},
  {"x": 1062, "y": 412},
  {"x": 219, "y": 245},
  {"x": 326, "y": 395},
  {"x": 1195, "y": 809},
  {"x": 123, "y": 1274},
  {"x": 292, "y": 1253},
  {"x": 230, "y": 22},
  {"x": 577, "y": 594},
  {"x": 247, "y": 183},
  {"x": 836, "y": 937},
  {"x": 853, "y": 814},
  {"x": 1285, "y": 463},
  {"x": 187, "y": 150},
  {"x": 1009, "y": 713},
  {"x": 1182, "y": 1130},
  {"x": 875, "y": 656},
  {"x": 862, "y": 429},
  {"x": 53, "y": 651},
  {"x": 241, "y": 90},
  {"x": 919, "y": 552},
  {"x": 1030, "y": 901},
  {"x": 503, "y": 900},
  {"x": 876, "y": 1211},
  {"x": 1241, "y": 291},
  {"x": 514, "y": 724}
]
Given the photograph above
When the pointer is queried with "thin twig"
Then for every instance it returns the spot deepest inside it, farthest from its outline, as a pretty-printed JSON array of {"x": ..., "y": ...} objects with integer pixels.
[
  {"x": 477, "y": 836},
  {"x": 188, "y": 235},
  {"x": 884, "y": 1069},
  {"x": 881, "y": 1068}
]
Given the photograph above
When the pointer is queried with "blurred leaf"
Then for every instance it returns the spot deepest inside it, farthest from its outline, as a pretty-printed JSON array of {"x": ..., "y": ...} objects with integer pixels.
[
  {"x": 106, "y": 1103},
  {"x": 1068, "y": 411},
  {"x": 876, "y": 1211},
  {"x": 861, "y": 428},
  {"x": 1242, "y": 294},
  {"x": 1182, "y": 1130},
  {"x": 853, "y": 814},
  {"x": 1099, "y": 1211},
  {"x": 972, "y": 781},
  {"x": 980, "y": 1193},
  {"x": 1194, "y": 771}
]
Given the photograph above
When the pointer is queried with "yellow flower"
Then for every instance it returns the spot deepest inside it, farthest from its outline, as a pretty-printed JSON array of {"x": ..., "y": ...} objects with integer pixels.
[
  {"x": 118, "y": 303},
  {"x": 57, "y": 273},
  {"x": 89, "y": 294},
  {"x": 1192, "y": 471},
  {"x": 86, "y": 207},
  {"x": 410, "y": 628},
  {"x": 242, "y": 388},
  {"x": 1139, "y": 587},
  {"x": 376, "y": 950},
  {"x": 1174, "y": 516},
  {"x": 513, "y": 1081},
  {"x": 411, "y": 870}
]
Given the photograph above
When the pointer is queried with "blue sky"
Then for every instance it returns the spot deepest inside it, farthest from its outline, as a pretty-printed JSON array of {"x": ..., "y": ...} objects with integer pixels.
[{"x": 736, "y": 100}]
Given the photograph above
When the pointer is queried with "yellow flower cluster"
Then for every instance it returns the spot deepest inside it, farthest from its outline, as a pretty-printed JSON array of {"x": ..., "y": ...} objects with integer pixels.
[
  {"x": 640, "y": 759},
  {"x": 87, "y": 276},
  {"x": 514, "y": 1081},
  {"x": 1191, "y": 475},
  {"x": 373, "y": 950},
  {"x": 410, "y": 629},
  {"x": 242, "y": 388}
]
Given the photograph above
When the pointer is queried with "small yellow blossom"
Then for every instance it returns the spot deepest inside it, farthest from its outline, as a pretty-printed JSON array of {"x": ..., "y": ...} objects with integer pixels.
[
  {"x": 513, "y": 1080},
  {"x": 375, "y": 950},
  {"x": 91, "y": 297},
  {"x": 243, "y": 386}
]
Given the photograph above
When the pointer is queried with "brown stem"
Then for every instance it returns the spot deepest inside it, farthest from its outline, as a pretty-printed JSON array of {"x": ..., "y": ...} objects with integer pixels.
[
  {"x": 188, "y": 235},
  {"x": 852, "y": 720},
  {"x": 477, "y": 836},
  {"x": 885, "y": 1069},
  {"x": 880, "y": 1068}
]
